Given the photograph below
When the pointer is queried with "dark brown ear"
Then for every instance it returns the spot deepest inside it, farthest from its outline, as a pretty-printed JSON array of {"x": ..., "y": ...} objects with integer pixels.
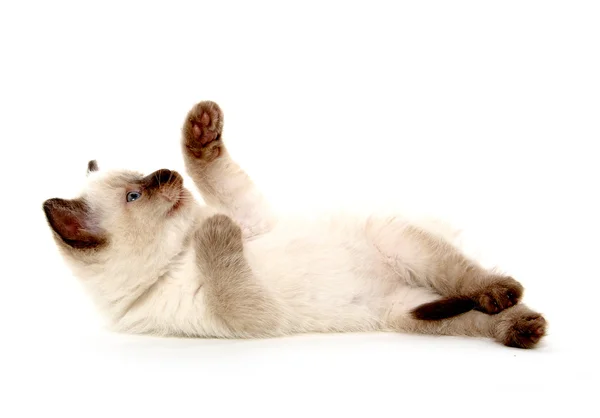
[
  {"x": 70, "y": 220},
  {"x": 92, "y": 166}
]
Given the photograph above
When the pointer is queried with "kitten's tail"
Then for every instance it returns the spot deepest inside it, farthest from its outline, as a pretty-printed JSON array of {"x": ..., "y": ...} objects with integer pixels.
[{"x": 443, "y": 308}]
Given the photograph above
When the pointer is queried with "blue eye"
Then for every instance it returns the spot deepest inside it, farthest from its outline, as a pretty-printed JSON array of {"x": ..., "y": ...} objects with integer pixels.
[{"x": 131, "y": 196}]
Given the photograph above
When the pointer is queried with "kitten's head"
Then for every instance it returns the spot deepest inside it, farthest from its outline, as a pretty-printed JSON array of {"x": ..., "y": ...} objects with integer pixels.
[{"x": 124, "y": 223}]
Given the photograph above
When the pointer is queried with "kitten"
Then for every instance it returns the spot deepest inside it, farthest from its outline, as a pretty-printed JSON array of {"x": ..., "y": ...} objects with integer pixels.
[{"x": 157, "y": 262}]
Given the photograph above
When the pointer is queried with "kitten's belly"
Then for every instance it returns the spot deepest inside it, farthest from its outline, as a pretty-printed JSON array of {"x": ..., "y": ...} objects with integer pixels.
[{"x": 325, "y": 273}]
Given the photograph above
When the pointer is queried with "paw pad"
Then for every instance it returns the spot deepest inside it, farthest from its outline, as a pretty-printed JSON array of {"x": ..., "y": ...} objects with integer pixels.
[{"x": 202, "y": 131}]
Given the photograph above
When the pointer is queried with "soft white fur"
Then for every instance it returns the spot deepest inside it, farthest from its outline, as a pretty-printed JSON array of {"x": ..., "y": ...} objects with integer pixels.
[{"x": 326, "y": 273}]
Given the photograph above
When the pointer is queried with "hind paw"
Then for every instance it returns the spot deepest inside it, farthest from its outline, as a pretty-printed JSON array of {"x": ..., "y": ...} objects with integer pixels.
[
  {"x": 525, "y": 331},
  {"x": 500, "y": 294}
]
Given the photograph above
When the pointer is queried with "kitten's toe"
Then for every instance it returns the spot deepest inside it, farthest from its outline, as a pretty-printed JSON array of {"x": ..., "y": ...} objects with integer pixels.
[
  {"x": 524, "y": 331},
  {"x": 500, "y": 294},
  {"x": 202, "y": 130}
]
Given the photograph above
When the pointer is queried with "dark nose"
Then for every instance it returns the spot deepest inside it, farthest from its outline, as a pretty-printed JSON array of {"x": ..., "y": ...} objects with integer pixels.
[{"x": 161, "y": 178}]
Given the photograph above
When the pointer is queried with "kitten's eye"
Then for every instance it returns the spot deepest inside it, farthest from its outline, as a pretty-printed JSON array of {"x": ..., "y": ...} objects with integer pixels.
[{"x": 131, "y": 196}]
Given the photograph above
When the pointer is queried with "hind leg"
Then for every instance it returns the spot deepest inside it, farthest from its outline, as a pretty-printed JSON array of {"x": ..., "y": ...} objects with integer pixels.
[
  {"x": 517, "y": 326},
  {"x": 422, "y": 259}
]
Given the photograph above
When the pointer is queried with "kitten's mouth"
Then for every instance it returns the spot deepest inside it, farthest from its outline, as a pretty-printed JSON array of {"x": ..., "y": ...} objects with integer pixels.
[
  {"x": 178, "y": 201},
  {"x": 177, "y": 204}
]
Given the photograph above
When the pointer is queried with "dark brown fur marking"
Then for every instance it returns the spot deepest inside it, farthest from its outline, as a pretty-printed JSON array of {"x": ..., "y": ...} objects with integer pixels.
[
  {"x": 68, "y": 219},
  {"x": 501, "y": 293},
  {"x": 92, "y": 166},
  {"x": 160, "y": 178},
  {"x": 443, "y": 308}
]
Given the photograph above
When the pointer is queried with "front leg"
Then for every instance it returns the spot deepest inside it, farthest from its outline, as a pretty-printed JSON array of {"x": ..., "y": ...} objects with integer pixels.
[
  {"x": 231, "y": 290},
  {"x": 221, "y": 181}
]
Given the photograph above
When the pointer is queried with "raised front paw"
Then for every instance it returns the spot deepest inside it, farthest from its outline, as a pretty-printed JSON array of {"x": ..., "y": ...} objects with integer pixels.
[
  {"x": 499, "y": 294},
  {"x": 202, "y": 131},
  {"x": 219, "y": 236}
]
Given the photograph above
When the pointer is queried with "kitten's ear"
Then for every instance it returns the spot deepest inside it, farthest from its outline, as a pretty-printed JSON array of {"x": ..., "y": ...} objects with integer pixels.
[
  {"x": 70, "y": 220},
  {"x": 92, "y": 166}
]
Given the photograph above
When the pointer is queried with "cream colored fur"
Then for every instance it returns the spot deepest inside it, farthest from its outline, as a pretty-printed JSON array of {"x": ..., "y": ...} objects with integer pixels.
[{"x": 193, "y": 274}]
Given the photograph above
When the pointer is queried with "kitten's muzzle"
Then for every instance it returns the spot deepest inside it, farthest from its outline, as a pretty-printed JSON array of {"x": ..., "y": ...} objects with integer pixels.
[{"x": 162, "y": 178}]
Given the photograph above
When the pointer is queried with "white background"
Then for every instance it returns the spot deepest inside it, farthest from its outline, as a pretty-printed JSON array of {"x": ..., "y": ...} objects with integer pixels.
[{"x": 484, "y": 113}]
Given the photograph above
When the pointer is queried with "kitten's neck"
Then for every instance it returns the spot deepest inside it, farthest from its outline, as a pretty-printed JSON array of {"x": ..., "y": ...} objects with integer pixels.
[{"x": 180, "y": 271}]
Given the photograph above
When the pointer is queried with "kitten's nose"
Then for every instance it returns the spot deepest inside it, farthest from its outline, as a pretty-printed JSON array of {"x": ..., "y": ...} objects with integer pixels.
[{"x": 162, "y": 177}]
